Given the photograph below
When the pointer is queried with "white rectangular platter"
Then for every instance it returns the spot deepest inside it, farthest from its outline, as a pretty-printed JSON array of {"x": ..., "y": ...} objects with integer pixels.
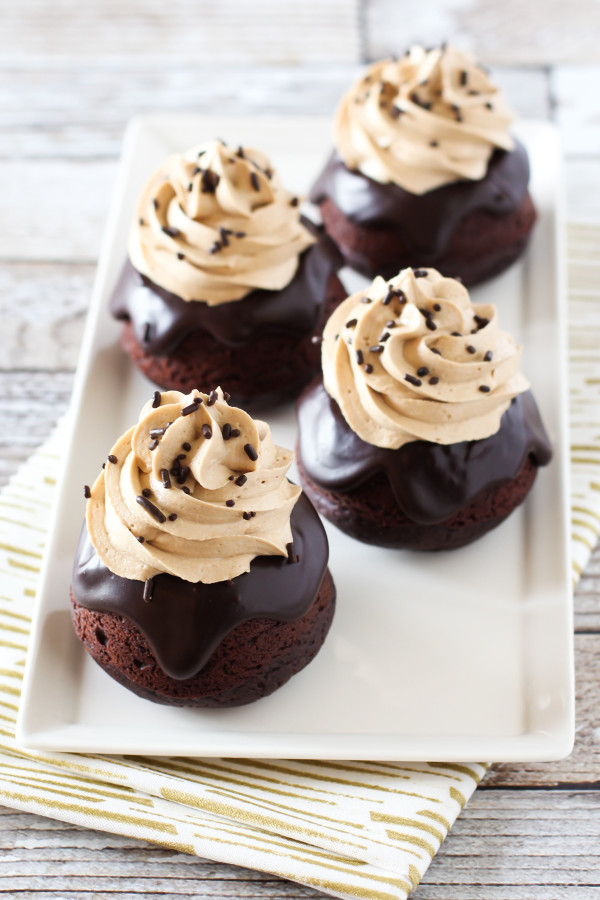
[{"x": 460, "y": 655}]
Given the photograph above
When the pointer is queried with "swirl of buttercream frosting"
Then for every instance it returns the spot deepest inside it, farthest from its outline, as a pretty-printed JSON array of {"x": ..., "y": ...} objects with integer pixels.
[
  {"x": 213, "y": 224},
  {"x": 414, "y": 359},
  {"x": 428, "y": 119},
  {"x": 197, "y": 489}
]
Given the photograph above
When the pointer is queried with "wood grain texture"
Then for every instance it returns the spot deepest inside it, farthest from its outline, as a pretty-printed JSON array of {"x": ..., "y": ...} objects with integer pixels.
[
  {"x": 536, "y": 33},
  {"x": 264, "y": 30}
]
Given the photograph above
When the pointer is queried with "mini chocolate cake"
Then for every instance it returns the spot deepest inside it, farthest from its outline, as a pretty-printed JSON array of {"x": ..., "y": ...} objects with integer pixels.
[
  {"x": 424, "y": 435},
  {"x": 226, "y": 283},
  {"x": 425, "y": 169},
  {"x": 201, "y": 577}
]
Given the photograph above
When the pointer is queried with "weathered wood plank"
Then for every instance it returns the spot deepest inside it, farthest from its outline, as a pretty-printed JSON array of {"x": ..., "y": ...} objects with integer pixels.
[
  {"x": 40, "y": 116},
  {"x": 182, "y": 30},
  {"x": 542, "y": 33},
  {"x": 518, "y": 843}
]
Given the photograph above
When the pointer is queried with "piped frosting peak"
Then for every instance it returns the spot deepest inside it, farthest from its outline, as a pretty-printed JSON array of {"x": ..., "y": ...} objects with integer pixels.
[
  {"x": 214, "y": 223},
  {"x": 196, "y": 489},
  {"x": 425, "y": 120},
  {"x": 415, "y": 359}
]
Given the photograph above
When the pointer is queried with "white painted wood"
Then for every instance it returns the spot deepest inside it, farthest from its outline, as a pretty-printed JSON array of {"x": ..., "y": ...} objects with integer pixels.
[
  {"x": 218, "y": 32},
  {"x": 545, "y": 32},
  {"x": 41, "y": 117},
  {"x": 576, "y": 95}
]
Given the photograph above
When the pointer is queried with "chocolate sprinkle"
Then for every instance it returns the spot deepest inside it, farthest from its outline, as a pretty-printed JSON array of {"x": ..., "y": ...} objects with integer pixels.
[
  {"x": 359, "y": 357},
  {"x": 86, "y": 491},
  {"x": 171, "y": 232},
  {"x": 147, "y": 492},
  {"x": 484, "y": 388},
  {"x": 250, "y": 452},
  {"x": 241, "y": 480},
  {"x": 112, "y": 458},
  {"x": 294, "y": 201},
  {"x": 209, "y": 181},
  {"x": 247, "y": 516},
  {"x": 412, "y": 380},
  {"x": 351, "y": 323},
  {"x": 436, "y": 351},
  {"x": 186, "y": 489},
  {"x": 207, "y": 431},
  {"x": 390, "y": 324},
  {"x": 235, "y": 432},
  {"x": 470, "y": 348},
  {"x": 368, "y": 368},
  {"x": 420, "y": 273},
  {"x": 172, "y": 517},
  {"x": 431, "y": 325},
  {"x": 164, "y": 474},
  {"x": 186, "y": 446},
  {"x": 463, "y": 78},
  {"x": 376, "y": 349},
  {"x": 146, "y": 337},
  {"x": 437, "y": 307},
  {"x": 434, "y": 379},
  {"x": 155, "y": 203},
  {"x": 365, "y": 300},
  {"x": 254, "y": 181},
  {"x": 422, "y": 371},
  {"x": 181, "y": 256},
  {"x": 182, "y": 477},
  {"x": 190, "y": 409},
  {"x": 488, "y": 356},
  {"x": 212, "y": 398},
  {"x": 148, "y": 590},
  {"x": 156, "y": 400},
  {"x": 226, "y": 431},
  {"x": 141, "y": 539},
  {"x": 230, "y": 503},
  {"x": 151, "y": 508}
]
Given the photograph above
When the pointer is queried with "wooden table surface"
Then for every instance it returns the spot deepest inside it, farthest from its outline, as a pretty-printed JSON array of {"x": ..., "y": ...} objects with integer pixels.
[{"x": 71, "y": 74}]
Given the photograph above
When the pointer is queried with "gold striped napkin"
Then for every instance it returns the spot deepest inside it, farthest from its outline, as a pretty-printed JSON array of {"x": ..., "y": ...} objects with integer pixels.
[{"x": 348, "y": 829}]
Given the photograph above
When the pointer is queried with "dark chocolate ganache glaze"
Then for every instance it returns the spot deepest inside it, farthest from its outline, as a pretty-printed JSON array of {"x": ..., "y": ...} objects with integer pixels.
[
  {"x": 427, "y": 221},
  {"x": 162, "y": 320},
  {"x": 185, "y": 622},
  {"x": 430, "y": 482}
]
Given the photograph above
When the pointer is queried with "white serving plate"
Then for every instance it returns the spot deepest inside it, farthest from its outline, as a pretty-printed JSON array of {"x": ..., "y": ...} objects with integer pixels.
[{"x": 460, "y": 655}]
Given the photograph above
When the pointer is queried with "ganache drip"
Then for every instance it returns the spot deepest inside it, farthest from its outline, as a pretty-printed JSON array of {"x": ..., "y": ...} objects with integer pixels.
[
  {"x": 430, "y": 482},
  {"x": 184, "y": 622},
  {"x": 427, "y": 221},
  {"x": 162, "y": 320}
]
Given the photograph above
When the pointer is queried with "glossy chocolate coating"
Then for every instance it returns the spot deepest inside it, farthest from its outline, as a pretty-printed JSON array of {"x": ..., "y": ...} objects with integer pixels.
[
  {"x": 427, "y": 221},
  {"x": 430, "y": 482},
  {"x": 161, "y": 320},
  {"x": 185, "y": 622}
]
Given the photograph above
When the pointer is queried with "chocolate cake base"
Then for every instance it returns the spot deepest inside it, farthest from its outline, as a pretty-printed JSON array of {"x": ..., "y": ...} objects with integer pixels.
[
  {"x": 370, "y": 513},
  {"x": 252, "y": 661},
  {"x": 483, "y": 244},
  {"x": 269, "y": 370}
]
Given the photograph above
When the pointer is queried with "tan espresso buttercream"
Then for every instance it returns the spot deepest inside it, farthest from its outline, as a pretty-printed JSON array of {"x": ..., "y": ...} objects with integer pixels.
[
  {"x": 414, "y": 359},
  {"x": 214, "y": 223},
  {"x": 428, "y": 119},
  {"x": 206, "y": 523}
]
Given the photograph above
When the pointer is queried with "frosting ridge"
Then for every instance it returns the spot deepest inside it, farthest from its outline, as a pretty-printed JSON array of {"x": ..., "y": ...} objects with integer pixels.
[
  {"x": 425, "y": 120},
  {"x": 197, "y": 489},
  {"x": 415, "y": 359},
  {"x": 213, "y": 224}
]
